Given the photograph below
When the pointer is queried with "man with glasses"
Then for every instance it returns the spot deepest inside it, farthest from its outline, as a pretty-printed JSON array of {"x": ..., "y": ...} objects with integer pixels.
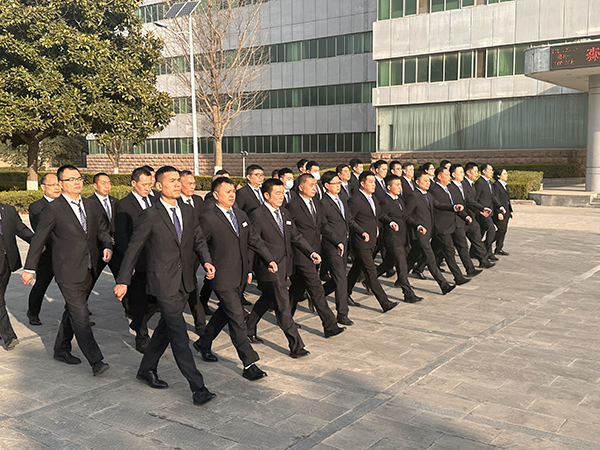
[
  {"x": 73, "y": 232},
  {"x": 45, "y": 274},
  {"x": 250, "y": 196}
]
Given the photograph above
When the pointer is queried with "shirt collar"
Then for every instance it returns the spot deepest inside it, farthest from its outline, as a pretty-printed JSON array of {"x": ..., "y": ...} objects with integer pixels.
[
  {"x": 485, "y": 178},
  {"x": 270, "y": 208},
  {"x": 70, "y": 200},
  {"x": 48, "y": 199},
  {"x": 100, "y": 197},
  {"x": 503, "y": 183},
  {"x": 169, "y": 207},
  {"x": 225, "y": 211},
  {"x": 393, "y": 196},
  {"x": 457, "y": 183},
  {"x": 365, "y": 194},
  {"x": 138, "y": 196},
  {"x": 421, "y": 191},
  {"x": 334, "y": 197},
  {"x": 185, "y": 198}
]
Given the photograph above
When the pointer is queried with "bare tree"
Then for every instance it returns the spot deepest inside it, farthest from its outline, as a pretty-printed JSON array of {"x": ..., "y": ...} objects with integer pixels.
[{"x": 229, "y": 61}]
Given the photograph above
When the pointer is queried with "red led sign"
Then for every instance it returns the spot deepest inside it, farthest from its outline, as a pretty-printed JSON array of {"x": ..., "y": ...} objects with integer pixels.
[{"x": 575, "y": 56}]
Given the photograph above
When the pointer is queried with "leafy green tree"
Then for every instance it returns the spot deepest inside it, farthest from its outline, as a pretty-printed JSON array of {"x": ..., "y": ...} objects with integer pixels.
[
  {"x": 72, "y": 67},
  {"x": 54, "y": 152}
]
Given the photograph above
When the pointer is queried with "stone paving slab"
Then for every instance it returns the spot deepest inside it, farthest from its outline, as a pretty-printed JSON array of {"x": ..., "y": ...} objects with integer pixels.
[{"x": 511, "y": 360}]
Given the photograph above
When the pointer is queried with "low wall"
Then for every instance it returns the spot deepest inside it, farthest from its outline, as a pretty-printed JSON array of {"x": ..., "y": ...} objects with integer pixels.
[{"x": 272, "y": 161}]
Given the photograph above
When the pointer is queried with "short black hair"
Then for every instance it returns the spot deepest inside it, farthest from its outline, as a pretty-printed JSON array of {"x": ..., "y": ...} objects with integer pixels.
[
  {"x": 150, "y": 168},
  {"x": 329, "y": 175},
  {"x": 453, "y": 167},
  {"x": 470, "y": 166},
  {"x": 439, "y": 170},
  {"x": 426, "y": 166},
  {"x": 219, "y": 181},
  {"x": 267, "y": 186},
  {"x": 164, "y": 169},
  {"x": 389, "y": 179},
  {"x": 303, "y": 178},
  {"x": 45, "y": 177},
  {"x": 498, "y": 172},
  {"x": 340, "y": 167},
  {"x": 484, "y": 166},
  {"x": 394, "y": 164},
  {"x": 355, "y": 162},
  {"x": 363, "y": 176},
  {"x": 443, "y": 162},
  {"x": 61, "y": 169},
  {"x": 221, "y": 172},
  {"x": 138, "y": 172},
  {"x": 97, "y": 177},
  {"x": 377, "y": 164},
  {"x": 284, "y": 171},
  {"x": 301, "y": 163},
  {"x": 407, "y": 164},
  {"x": 185, "y": 173},
  {"x": 275, "y": 173},
  {"x": 310, "y": 164},
  {"x": 252, "y": 167},
  {"x": 419, "y": 173}
]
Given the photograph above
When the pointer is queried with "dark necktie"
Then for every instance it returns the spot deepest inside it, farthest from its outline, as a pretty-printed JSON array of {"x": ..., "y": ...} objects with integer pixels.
[
  {"x": 258, "y": 195},
  {"x": 427, "y": 198},
  {"x": 490, "y": 185},
  {"x": 346, "y": 189},
  {"x": 82, "y": 218},
  {"x": 279, "y": 221},
  {"x": 177, "y": 224},
  {"x": 462, "y": 192},
  {"x": 449, "y": 195},
  {"x": 146, "y": 202},
  {"x": 372, "y": 203},
  {"x": 313, "y": 213},
  {"x": 234, "y": 221},
  {"x": 189, "y": 202},
  {"x": 399, "y": 204},
  {"x": 341, "y": 206},
  {"x": 107, "y": 208}
]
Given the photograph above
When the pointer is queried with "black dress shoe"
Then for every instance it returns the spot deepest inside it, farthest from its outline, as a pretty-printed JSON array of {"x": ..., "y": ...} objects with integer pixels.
[
  {"x": 33, "y": 320},
  {"x": 486, "y": 265},
  {"x": 493, "y": 258},
  {"x": 461, "y": 281},
  {"x": 352, "y": 302},
  {"x": 300, "y": 353},
  {"x": 344, "y": 320},
  {"x": 333, "y": 332},
  {"x": 253, "y": 373},
  {"x": 501, "y": 252},
  {"x": 447, "y": 288},
  {"x": 419, "y": 274},
  {"x": 67, "y": 357},
  {"x": 99, "y": 368},
  {"x": 390, "y": 306},
  {"x": 474, "y": 272},
  {"x": 150, "y": 377},
  {"x": 390, "y": 273},
  {"x": 413, "y": 299},
  {"x": 254, "y": 339},
  {"x": 203, "y": 396},
  {"x": 207, "y": 355}
]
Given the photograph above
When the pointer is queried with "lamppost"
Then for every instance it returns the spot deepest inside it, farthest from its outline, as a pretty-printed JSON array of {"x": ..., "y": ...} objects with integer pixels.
[
  {"x": 244, "y": 153},
  {"x": 182, "y": 10}
]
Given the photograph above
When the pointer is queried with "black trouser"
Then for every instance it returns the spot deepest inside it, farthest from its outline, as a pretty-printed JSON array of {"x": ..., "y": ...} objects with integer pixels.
[
  {"x": 76, "y": 321},
  {"x": 230, "y": 312},
  {"x": 423, "y": 250},
  {"x": 443, "y": 244},
  {"x": 307, "y": 279},
  {"x": 363, "y": 262},
  {"x": 275, "y": 295},
  {"x": 172, "y": 329},
  {"x": 462, "y": 247},
  {"x": 417, "y": 258},
  {"x": 197, "y": 310},
  {"x": 339, "y": 280},
  {"x": 43, "y": 277},
  {"x": 487, "y": 228},
  {"x": 141, "y": 305},
  {"x": 502, "y": 226},
  {"x": 395, "y": 256},
  {"x": 205, "y": 293},
  {"x": 6, "y": 330},
  {"x": 477, "y": 250}
]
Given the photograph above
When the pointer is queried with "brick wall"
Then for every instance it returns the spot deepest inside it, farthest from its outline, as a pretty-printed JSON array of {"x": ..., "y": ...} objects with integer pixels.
[{"x": 233, "y": 163}]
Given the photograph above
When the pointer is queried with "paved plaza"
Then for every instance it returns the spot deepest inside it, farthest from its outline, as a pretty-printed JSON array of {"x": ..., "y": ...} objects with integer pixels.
[{"x": 510, "y": 360}]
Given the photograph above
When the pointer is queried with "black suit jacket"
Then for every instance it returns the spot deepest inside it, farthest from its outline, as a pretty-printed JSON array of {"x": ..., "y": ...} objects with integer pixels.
[
  {"x": 199, "y": 206},
  {"x": 343, "y": 194},
  {"x": 444, "y": 221},
  {"x": 459, "y": 199},
  {"x": 292, "y": 194},
  {"x": 394, "y": 209},
  {"x": 246, "y": 199},
  {"x": 503, "y": 196},
  {"x": 12, "y": 226},
  {"x": 170, "y": 263},
  {"x": 420, "y": 212},
  {"x": 35, "y": 211},
  {"x": 407, "y": 189},
  {"x": 364, "y": 217},
  {"x": 473, "y": 206},
  {"x": 231, "y": 254},
  {"x": 484, "y": 194},
  {"x": 380, "y": 192},
  {"x": 354, "y": 184},
  {"x": 127, "y": 211},
  {"x": 310, "y": 229},
  {"x": 280, "y": 247},
  {"x": 336, "y": 229},
  {"x": 94, "y": 202},
  {"x": 71, "y": 247}
]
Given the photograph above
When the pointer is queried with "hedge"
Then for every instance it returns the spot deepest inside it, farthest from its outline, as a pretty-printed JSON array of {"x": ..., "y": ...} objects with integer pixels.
[{"x": 521, "y": 183}]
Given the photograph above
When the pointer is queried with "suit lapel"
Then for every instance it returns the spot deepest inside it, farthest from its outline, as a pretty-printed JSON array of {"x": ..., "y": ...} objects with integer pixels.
[
  {"x": 335, "y": 205},
  {"x": 226, "y": 221},
  {"x": 166, "y": 217},
  {"x": 68, "y": 211},
  {"x": 271, "y": 220},
  {"x": 364, "y": 200}
]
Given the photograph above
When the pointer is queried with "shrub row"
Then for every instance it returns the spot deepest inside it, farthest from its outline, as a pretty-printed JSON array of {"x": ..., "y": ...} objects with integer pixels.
[{"x": 521, "y": 183}]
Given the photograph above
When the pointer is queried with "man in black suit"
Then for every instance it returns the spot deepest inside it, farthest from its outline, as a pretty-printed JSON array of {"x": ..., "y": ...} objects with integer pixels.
[
  {"x": 11, "y": 225},
  {"x": 275, "y": 226},
  {"x": 344, "y": 175},
  {"x": 312, "y": 168},
  {"x": 380, "y": 168},
  {"x": 287, "y": 178},
  {"x": 104, "y": 204},
  {"x": 250, "y": 197},
  {"x": 230, "y": 238},
  {"x": 367, "y": 213},
  {"x": 198, "y": 309},
  {"x": 356, "y": 165},
  {"x": 459, "y": 237},
  {"x": 475, "y": 209},
  {"x": 139, "y": 306},
  {"x": 501, "y": 219},
  {"x": 420, "y": 217},
  {"x": 337, "y": 226},
  {"x": 173, "y": 239},
  {"x": 395, "y": 241},
  {"x": 308, "y": 217},
  {"x": 408, "y": 184},
  {"x": 51, "y": 188},
  {"x": 73, "y": 232},
  {"x": 485, "y": 196},
  {"x": 444, "y": 222}
]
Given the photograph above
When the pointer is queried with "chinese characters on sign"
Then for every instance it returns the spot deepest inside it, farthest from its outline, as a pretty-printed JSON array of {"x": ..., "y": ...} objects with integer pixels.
[{"x": 575, "y": 56}]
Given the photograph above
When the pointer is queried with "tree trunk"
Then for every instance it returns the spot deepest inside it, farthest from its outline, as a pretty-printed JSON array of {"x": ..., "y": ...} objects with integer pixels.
[
  {"x": 115, "y": 170},
  {"x": 33, "y": 147},
  {"x": 218, "y": 155}
]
